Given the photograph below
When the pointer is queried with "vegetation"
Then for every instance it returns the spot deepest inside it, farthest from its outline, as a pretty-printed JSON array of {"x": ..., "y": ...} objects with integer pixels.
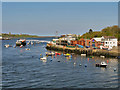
[
  {"x": 108, "y": 31},
  {"x": 17, "y": 35}
]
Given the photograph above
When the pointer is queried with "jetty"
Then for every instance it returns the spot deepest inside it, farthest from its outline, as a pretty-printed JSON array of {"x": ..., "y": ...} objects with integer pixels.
[{"x": 88, "y": 52}]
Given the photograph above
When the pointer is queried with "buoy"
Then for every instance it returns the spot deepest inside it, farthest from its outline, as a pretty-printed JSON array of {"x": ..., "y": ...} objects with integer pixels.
[
  {"x": 74, "y": 63},
  {"x": 40, "y": 54},
  {"x": 115, "y": 69},
  {"x": 88, "y": 59},
  {"x": 80, "y": 65},
  {"x": 107, "y": 61},
  {"x": 85, "y": 65}
]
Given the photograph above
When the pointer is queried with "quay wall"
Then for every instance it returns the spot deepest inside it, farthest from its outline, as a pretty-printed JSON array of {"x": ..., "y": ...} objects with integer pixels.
[{"x": 88, "y": 52}]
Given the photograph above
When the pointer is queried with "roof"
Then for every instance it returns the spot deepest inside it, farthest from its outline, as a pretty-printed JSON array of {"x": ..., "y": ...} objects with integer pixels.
[{"x": 97, "y": 39}]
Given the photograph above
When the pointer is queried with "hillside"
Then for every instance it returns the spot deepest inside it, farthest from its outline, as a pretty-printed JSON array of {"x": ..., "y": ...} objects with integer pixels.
[{"x": 108, "y": 31}]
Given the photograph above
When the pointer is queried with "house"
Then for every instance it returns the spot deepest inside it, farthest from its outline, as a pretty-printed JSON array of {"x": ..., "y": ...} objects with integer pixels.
[
  {"x": 93, "y": 43},
  {"x": 81, "y": 42},
  {"x": 73, "y": 42},
  {"x": 109, "y": 41},
  {"x": 66, "y": 39}
]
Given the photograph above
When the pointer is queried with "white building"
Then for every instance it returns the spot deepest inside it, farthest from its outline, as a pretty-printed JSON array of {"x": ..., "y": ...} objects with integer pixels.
[{"x": 109, "y": 41}]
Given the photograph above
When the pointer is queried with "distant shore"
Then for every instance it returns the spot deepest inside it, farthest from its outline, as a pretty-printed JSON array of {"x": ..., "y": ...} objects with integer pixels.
[{"x": 12, "y": 36}]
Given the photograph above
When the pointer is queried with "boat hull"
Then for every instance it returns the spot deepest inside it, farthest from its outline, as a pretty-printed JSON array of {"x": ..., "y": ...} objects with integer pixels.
[{"x": 99, "y": 65}]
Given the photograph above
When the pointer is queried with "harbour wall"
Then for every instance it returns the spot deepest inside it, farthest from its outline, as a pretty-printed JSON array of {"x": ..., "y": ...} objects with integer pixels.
[{"x": 88, "y": 52}]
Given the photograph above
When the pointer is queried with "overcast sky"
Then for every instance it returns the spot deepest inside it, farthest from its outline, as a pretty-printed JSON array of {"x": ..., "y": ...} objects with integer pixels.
[{"x": 45, "y": 18}]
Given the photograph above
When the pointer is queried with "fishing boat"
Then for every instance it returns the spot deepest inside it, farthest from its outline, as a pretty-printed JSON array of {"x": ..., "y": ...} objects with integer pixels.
[
  {"x": 21, "y": 42},
  {"x": 102, "y": 64}
]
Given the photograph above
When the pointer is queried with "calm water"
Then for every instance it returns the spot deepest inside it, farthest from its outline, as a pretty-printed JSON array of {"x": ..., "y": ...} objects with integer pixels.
[{"x": 24, "y": 69}]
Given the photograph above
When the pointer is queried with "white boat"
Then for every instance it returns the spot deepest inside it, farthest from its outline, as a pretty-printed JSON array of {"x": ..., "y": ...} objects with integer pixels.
[
  {"x": 21, "y": 42},
  {"x": 83, "y": 54},
  {"x": 102, "y": 56},
  {"x": 7, "y": 45},
  {"x": 31, "y": 43},
  {"x": 43, "y": 58},
  {"x": 102, "y": 64}
]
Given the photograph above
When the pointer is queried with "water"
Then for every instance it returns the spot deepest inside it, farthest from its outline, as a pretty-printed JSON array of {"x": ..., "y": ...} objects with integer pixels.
[{"x": 23, "y": 69}]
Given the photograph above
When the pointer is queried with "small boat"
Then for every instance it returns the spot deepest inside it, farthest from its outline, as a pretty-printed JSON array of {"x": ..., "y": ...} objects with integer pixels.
[
  {"x": 27, "y": 49},
  {"x": 67, "y": 55},
  {"x": 43, "y": 58},
  {"x": 83, "y": 54},
  {"x": 91, "y": 56},
  {"x": 7, "y": 45},
  {"x": 102, "y": 56},
  {"x": 102, "y": 64},
  {"x": 56, "y": 53},
  {"x": 31, "y": 43},
  {"x": 21, "y": 42},
  {"x": 50, "y": 53},
  {"x": 28, "y": 43}
]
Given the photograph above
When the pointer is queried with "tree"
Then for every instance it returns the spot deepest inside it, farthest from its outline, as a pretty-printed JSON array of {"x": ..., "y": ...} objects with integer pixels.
[{"x": 90, "y": 31}]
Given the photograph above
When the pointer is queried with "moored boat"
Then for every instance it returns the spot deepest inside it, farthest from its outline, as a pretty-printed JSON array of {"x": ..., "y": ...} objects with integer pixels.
[
  {"x": 43, "y": 58},
  {"x": 21, "y": 42},
  {"x": 50, "y": 53},
  {"x": 67, "y": 55},
  {"x": 102, "y": 64}
]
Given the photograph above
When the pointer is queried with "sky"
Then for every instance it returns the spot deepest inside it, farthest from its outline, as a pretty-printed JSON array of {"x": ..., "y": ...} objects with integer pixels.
[{"x": 45, "y": 18}]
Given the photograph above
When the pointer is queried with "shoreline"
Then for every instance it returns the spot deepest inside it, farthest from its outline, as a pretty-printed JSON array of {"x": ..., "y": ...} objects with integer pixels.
[{"x": 88, "y": 52}]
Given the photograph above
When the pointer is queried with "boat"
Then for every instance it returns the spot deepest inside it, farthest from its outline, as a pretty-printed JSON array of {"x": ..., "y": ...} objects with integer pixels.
[
  {"x": 28, "y": 43},
  {"x": 67, "y": 55},
  {"x": 102, "y": 64},
  {"x": 91, "y": 56},
  {"x": 50, "y": 53},
  {"x": 21, "y": 42},
  {"x": 56, "y": 53},
  {"x": 7, "y": 45},
  {"x": 31, "y": 43},
  {"x": 43, "y": 58},
  {"x": 83, "y": 54},
  {"x": 27, "y": 49}
]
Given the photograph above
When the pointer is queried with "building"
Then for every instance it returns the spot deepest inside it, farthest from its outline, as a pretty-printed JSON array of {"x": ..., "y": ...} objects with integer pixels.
[
  {"x": 81, "y": 42},
  {"x": 109, "y": 41}
]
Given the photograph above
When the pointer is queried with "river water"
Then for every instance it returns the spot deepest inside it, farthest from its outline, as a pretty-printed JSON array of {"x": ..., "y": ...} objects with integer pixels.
[{"x": 23, "y": 69}]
